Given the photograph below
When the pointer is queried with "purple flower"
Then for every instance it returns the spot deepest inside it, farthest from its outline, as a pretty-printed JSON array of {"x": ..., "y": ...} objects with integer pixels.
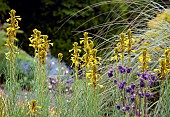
[
  {"x": 142, "y": 83},
  {"x": 153, "y": 78},
  {"x": 150, "y": 82},
  {"x": 118, "y": 106},
  {"x": 121, "y": 69},
  {"x": 141, "y": 94},
  {"x": 127, "y": 108},
  {"x": 145, "y": 76},
  {"x": 124, "y": 82},
  {"x": 69, "y": 81},
  {"x": 53, "y": 81},
  {"x": 129, "y": 70},
  {"x": 121, "y": 85},
  {"x": 132, "y": 92},
  {"x": 147, "y": 95},
  {"x": 110, "y": 74},
  {"x": 132, "y": 98},
  {"x": 133, "y": 86},
  {"x": 128, "y": 89},
  {"x": 115, "y": 81}
]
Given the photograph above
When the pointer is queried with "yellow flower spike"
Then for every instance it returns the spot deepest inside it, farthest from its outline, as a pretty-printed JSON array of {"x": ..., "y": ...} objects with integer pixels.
[
  {"x": 60, "y": 56},
  {"x": 163, "y": 69},
  {"x": 41, "y": 44},
  {"x": 167, "y": 57},
  {"x": 75, "y": 56},
  {"x": 144, "y": 58},
  {"x": 117, "y": 55},
  {"x": 122, "y": 42}
]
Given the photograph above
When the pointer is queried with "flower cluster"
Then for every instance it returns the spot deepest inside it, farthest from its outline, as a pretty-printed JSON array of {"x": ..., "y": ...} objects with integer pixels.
[
  {"x": 131, "y": 94},
  {"x": 75, "y": 56},
  {"x": 124, "y": 44},
  {"x": 41, "y": 44},
  {"x": 144, "y": 58},
  {"x": 11, "y": 32},
  {"x": 91, "y": 61}
]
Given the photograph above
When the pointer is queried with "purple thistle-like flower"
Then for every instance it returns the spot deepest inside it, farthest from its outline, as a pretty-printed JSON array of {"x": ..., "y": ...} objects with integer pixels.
[
  {"x": 145, "y": 76},
  {"x": 153, "y": 78},
  {"x": 127, "y": 108},
  {"x": 142, "y": 83},
  {"x": 110, "y": 74},
  {"x": 121, "y": 69},
  {"x": 118, "y": 106},
  {"x": 121, "y": 85},
  {"x": 129, "y": 70},
  {"x": 132, "y": 99},
  {"x": 128, "y": 89},
  {"x": 138, "y": 74},
  {"x": 53, "y": 81},
  {"x": 150, "y": 82},
  {"x": 133, "y": 86},
  {"x": 70, "y": 81},
  {"x": 115, "y": 81},
  {"x": 124, "y": 82},
  {"x": 147, "y": 95},
  {"x": 132, "y": 92},
  {"x": 141, "y": 94}
]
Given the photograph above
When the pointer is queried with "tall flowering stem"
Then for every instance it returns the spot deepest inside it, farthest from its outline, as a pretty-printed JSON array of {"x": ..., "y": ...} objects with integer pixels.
[
  {"x": 76, "y": 63},
  {"x": 163, "y": 71},
  {"x": 10, "y": 43},
  {"x": 60, "y": 56},
  {"x": 41, "y": 44},
  {"x": 94, "y": 76},
  {"x": 144, "y": 58},
  {"x": 129, "y": 43},
  {"x": 76, "y": 60},
  {"x": 122, "y": 45}
]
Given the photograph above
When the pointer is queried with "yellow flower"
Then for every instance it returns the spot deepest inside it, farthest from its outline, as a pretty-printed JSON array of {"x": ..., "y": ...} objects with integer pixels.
[
  {"x": 117, "y": 55},
  {"x": 163, "y": 70},
  {"x": 33, "y": 107},
  {"x": 167, "y": 57},
  {"x": 75, "y": 56},
  {"x": 60, "y": 56},
  {"x": 144, "y": 58},
  {"x": 94, "y": 77}
]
